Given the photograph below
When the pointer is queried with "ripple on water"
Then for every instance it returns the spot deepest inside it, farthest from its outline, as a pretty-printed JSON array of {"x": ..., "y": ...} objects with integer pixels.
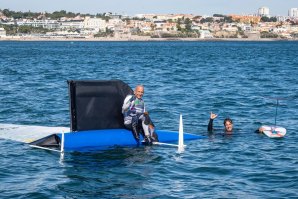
[{"x": 189, "y": 78}]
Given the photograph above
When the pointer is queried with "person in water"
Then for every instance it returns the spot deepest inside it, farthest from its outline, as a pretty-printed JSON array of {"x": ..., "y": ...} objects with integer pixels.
[
  {"x": 136, "y": 118},
  {"x": 260, "y": 130},
  {"x": 228, "y": 123}
]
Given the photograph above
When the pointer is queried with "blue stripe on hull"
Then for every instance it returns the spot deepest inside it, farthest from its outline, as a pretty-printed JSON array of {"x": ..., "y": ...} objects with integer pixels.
[{"x": 112, "y": 137}]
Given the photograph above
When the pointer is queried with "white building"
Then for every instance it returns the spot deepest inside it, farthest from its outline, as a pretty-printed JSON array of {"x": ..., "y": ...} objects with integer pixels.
[
  {"x": 73, "y": 24},
  {"x": 205, "y": 34},
  {"x": 230, "y": 28},
  {"x": 112, "y": 23},
  {"x": 63, "y": 34},
  {"x": 246, "y": 27},
  {"x": 263, "y": 12},
  {"x": 282, "y": 18},
  {"x": 293, "y": 12},
  {"x": 2, "y": 32},
  {"x": 97, "y": 24},
  {"x": 48, "y": 24},
  {"x": 159, "y": 24},
  {"x": 279, "y": 29}
]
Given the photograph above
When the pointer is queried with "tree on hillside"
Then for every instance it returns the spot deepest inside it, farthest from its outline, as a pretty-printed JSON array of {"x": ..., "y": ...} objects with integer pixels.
[
  {"x": 60, "y": 14},
  {"x": 197, "y": 18},
  {"x": 178, "y": 25},
  {"x": 10, "y": 29},
  {"x": 188, "y": 24},
  {"x": 273, "y": 19},
  {"x": 218, "y": 15},
  {"x": 138, "y": 19},
  {"x": 24, "y": 29},
  {"x": 294, "y": 35},
  {"x": 268, "y": 19},
  {"x": 19, "y": 15},
  {"x": 228, "y": 19},
  {"x": 207, "y": 20},
  {"x": 103, "y": 16},
  {"x": 266, "y": 34},
  {"x": 153, "y": 26},
  {"x": 265, "y": 19}
]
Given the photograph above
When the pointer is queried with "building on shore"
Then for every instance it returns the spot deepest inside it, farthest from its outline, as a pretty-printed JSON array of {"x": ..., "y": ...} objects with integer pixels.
[
  {"x": 48, "y": 24},
  {"x": 253, "y": 35},
  {"x": 72, "y": 24},
  {"x": 95, "y": 23},
  {"x": 246, "y": 19},
  {"x": 205, "y": 34},
  {"x": 2, "y": 32},
  {"x": 293, "y": 12},
  {"x": 263, "y": 12}
]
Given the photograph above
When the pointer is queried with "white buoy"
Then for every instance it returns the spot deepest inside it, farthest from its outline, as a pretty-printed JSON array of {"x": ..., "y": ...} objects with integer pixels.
[{"x": 180, "y": 138}]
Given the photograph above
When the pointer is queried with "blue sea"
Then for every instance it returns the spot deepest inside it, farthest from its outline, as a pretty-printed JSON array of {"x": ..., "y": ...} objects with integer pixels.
[{"x": 240, "y": 80}]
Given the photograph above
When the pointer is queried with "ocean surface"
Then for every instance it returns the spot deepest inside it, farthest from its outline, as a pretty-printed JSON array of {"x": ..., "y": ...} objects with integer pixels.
[{"x": 240, "y": 80}]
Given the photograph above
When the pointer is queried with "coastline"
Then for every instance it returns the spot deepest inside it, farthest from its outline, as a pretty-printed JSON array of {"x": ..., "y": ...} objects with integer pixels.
[{"x": 104, "y": 39}]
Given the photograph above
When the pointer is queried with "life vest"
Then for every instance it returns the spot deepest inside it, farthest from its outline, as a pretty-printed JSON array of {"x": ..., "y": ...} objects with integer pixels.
[{"x": 135, "y": 108}]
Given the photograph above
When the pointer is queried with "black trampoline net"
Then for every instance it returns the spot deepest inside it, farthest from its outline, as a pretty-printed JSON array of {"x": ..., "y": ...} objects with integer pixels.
[{"x": 96, "y": 105}]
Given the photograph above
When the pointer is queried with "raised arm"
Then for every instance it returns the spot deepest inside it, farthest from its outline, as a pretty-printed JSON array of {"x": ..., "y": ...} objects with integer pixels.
[{"x": 210, "y": 124}]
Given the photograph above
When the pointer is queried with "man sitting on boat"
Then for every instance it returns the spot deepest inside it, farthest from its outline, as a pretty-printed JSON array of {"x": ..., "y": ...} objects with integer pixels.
[{"x": 136, "y": 118}]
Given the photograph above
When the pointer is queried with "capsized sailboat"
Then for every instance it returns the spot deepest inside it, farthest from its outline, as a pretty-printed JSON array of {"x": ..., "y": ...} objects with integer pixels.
[{"x": 97, "y": 120}]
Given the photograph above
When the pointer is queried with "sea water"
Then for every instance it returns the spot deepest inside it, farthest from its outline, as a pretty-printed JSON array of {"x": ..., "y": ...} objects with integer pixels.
[{"x": 232, "y": 79}]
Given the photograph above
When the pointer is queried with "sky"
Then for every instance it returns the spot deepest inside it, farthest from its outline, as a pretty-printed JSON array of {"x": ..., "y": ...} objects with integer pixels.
[{"x": 133, "y": 7}]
